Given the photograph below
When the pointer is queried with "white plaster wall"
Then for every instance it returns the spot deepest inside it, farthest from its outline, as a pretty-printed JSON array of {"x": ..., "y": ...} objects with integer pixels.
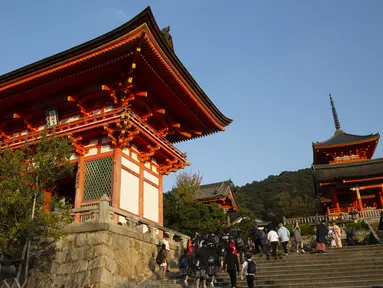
[
  {"x": 71, "y": 119},
  {"x": 150, "y": 202},
  {"x": 129, "y": 192},
  {"x": 151, "y": 177},
  {"x": 129, "y": 164},
  {"x": 92, "y": 151},
  {"x": 106, "y": 148}
]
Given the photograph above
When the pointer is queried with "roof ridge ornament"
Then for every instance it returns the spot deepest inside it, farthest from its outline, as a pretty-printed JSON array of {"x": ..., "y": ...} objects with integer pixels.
[
  {"x": 335, "y": 116},
  {"x": 167, "y": 37}
]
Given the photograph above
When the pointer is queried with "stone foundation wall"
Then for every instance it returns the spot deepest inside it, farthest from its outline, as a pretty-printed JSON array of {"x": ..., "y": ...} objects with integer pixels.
[{"x": 106, "y": 254}]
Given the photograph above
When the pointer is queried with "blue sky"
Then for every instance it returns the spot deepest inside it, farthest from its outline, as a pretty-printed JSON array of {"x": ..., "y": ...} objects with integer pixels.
[{"x": 269, "y": 65}]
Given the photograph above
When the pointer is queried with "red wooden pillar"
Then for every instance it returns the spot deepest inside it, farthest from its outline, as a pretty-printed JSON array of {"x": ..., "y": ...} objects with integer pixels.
[
  {"x": 354, "y": 201},
  {"x": 116, "y": 193},
  {"x": 334, "y": 200},
  {"x": 160, "y": 202},
  {"x": 141, "y": 190},
  {"x": 80, "y": 180},
  {"x": 380, "y": 194},
  {"x": 359, "y": 199}
]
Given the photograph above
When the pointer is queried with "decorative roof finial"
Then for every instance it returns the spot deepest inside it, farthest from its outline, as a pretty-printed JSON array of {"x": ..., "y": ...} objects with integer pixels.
[{"x": 334, "y": 115}]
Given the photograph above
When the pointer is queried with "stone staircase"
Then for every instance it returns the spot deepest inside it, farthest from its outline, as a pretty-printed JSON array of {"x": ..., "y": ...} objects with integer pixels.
[
  {"x": 374, "y": 224},
  {"x": 358, "y": 266}
]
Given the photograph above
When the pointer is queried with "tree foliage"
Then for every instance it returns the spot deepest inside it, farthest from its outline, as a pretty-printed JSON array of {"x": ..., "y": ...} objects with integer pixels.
[
  {"x": 291, "y": 194},
  {"x": 25, "y": 174},
  {"x": 183, "y": 213}
]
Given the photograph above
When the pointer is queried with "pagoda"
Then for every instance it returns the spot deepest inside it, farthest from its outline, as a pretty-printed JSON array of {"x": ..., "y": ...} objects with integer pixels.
[
  {"x": 346, "y": 176},
  {"x": 123, "y": 99}
]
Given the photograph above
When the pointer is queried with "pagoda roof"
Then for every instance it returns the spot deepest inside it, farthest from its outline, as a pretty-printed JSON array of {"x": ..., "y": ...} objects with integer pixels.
[
  {"x": 214, "y": 190},
  {"x": 352, "y": 170},
  {"x": 341, "y": 138},
  {"x": 51, "y": 69}
]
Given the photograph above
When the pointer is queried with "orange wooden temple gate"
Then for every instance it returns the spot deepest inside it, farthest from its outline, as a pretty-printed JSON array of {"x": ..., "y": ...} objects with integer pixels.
[{"x": 123, "y": 99}]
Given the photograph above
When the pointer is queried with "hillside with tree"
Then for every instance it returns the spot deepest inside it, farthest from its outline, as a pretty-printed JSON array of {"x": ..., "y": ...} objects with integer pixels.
[{"x": 290, "y": 194}]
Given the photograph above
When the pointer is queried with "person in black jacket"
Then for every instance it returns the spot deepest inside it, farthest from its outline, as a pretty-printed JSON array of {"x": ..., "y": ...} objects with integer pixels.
[
  {"x": 201, "y": 265},
  {"x": 232, "y": 266}
]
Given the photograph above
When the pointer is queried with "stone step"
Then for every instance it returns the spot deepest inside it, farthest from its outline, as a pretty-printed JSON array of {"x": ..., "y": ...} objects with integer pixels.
[
  {"x": 292, "y": 271},
  {"x": 368, "y": 283}
]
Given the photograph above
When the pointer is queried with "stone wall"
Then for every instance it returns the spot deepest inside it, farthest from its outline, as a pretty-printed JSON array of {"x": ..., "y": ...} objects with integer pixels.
[{"x": 104, "y": 254}]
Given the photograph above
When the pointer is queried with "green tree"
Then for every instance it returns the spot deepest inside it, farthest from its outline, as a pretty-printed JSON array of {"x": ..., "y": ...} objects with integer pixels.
[
  {"x": 290, "y": 194},
  {"x": 183, "y": 213},
  {"x": 25, "y": 174}
]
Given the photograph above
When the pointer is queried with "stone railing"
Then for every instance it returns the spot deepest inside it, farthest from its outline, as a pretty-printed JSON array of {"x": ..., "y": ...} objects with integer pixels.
[
  {"x": 107, "y": 247},
  {"x": 367, "y": 214},
  {"x": 370, "y": 213},
  {"x": 104, "y": 213},
  {"x": 306, "y": 220}
]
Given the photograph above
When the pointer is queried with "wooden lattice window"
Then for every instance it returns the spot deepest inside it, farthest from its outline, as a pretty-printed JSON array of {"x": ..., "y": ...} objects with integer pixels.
[{"x": 98, "y": 178}]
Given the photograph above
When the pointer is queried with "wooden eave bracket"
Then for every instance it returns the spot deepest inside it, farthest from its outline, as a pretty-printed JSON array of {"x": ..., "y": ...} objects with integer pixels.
[
  {"x": 80, "y": 149},
  {"x": 79, "y": 105}
]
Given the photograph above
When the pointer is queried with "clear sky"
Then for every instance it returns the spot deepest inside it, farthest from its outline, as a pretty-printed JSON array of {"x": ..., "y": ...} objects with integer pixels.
[{"x": 268, "y": 65}]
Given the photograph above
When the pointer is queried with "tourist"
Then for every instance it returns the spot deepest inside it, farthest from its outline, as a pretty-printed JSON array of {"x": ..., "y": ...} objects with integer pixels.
[
  {"x": 249, "y": 269},
  {"x": 321, "y": 235},
  {"x": 337, "y": 234},
  {"x": 224, "y": 244},
  {"x": 257, "y": 238},
  {"x": 212, "y": 261},
  {"x": 162, "y": 258},
  {"x": 273, "y": 240},
  {"x": 298, "y": 237},
  {"x": 165, "y": 241},
  {"x": 284, "y": 236},
  {"x": 197, "y": 240},
  {"x": 241, "y": 247},
  {"x": 190, "y": 261},
  {"x": 201, "y": 265},
  {"x": 381, "y": 222},
  {"x": 232, "y": 267}
]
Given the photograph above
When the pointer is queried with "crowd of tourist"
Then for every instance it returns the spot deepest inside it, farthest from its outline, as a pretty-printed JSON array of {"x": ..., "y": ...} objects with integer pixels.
[{"x": 230, "y": 251}]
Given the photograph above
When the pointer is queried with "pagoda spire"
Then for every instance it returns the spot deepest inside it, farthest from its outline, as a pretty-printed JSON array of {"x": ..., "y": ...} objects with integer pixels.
[{"x": 335, "y": 115}]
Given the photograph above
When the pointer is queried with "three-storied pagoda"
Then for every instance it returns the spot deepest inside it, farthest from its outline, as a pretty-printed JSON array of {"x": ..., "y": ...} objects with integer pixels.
[
  {"x": 345, "y": 175},
  {"x": 123, "y": 99}
]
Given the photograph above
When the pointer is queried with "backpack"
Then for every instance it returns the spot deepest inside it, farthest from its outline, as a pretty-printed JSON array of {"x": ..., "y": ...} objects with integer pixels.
[
  {"x": 251, "y": 267},
  {"x": 240, "y": 242},
  {"x": 210, "y": 260},
  {"x": 183, "y": 262},
  {"x": 159, "y": 258}
]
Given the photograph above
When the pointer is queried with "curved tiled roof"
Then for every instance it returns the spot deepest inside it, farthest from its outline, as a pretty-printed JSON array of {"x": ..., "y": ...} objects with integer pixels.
[
  {"x": 145, "y": 17},
  {"x": 214, "y": 190},
  {"x": 342, "y": 138}
]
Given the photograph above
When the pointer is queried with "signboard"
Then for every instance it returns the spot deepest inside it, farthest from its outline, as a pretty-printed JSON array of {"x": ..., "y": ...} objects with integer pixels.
[{"x": 52, "y": 117}]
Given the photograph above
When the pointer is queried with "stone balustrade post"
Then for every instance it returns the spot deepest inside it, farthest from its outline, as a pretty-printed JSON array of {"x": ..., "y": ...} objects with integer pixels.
[
  {"x": 104, "y": 215},
  {"x": 152, "y": 232}
]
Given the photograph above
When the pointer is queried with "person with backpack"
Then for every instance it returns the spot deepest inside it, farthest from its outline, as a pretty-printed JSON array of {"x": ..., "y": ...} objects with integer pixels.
[
  {"x": 201, "y": 265},
  {"x": 257, "y": 239},
  {"x": 161, "y": 261},
  {"x": 224, "y": 244},
  {"x": 212, "y": 262},
  {"x": 249, "y": 268},
  {"x": 241, "y": 247}
]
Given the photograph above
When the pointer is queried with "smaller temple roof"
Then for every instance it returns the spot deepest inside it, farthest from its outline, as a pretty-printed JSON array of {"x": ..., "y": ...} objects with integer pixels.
[
  {"x": 344, "y": 171},
  {"x": 214, "y": 190},
  {"x": 342, "y": 138}
]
